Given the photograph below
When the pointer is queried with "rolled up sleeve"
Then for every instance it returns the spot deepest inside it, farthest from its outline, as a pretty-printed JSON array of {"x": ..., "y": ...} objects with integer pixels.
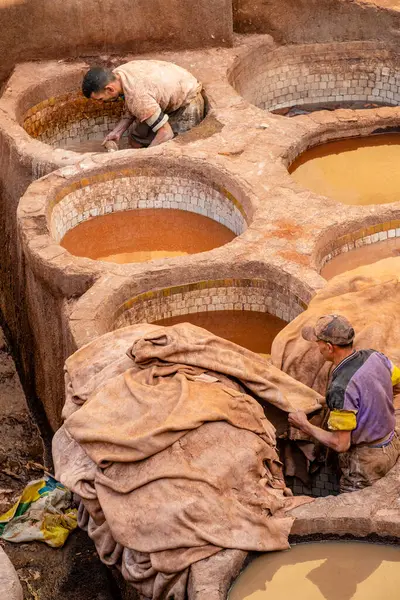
[
  {"x": 395, "y": 375},
  {"x": 158, "y": 120},
  {"x": 342, "y": 420}
]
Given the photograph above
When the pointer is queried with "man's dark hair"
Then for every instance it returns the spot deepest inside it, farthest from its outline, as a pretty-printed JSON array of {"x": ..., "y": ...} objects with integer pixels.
[
  {"x": 347, "y": 346},
  {"x": 96, "y": 80}
]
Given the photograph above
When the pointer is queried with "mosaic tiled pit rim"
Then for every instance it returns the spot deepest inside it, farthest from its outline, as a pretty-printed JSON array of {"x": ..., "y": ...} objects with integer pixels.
[
  {"x": 40, "y": 239},
  {"x": 362, "y": 235},
  {"x": 141, "y": 188},
  {"x": 47, "y": 106},
  {"x": 34, "y": 88},
  {"x": 353, "y": 127},
  {"x": 318, "y": 73},
  {"x": 258, "y": 295},
  {"x": 62, "y": 120}
]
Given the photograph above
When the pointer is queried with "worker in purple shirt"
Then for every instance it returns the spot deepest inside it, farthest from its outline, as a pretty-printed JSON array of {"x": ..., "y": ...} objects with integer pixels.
[{"x": 361, "y": 425}]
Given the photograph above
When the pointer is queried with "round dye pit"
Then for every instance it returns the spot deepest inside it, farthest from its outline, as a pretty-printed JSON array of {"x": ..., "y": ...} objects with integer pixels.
[
  {"x": 362, "y": 247},
  {"x": 67, "y": 119},
  {"x": 358, "y": 257},
  {"x": 144, "y": 217},
  {"x": 352, "y": 171},
  {"x": 145, "y": 234},
  {"x": 318, "y": 76},
  {"x": 53, "y": 110},
  {"x": 252, "y": 330},
  {"x": 322, "y": 571},
  {"x": 247, "y": 312}
]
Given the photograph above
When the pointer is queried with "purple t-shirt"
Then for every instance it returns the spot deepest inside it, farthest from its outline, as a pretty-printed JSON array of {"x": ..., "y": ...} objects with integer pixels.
[{"x": 362, "y": 383}]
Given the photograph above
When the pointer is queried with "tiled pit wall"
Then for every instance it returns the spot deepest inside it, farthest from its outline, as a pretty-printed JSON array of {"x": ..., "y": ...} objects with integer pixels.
[
  {"x": 204, "y": 296},
  {"x": 311, "y": 75},
  {"x": 104, "y": 194},
  {"x": 71, "y": 118},
  {"x": 357, "y": 239},
  {"x": 324, "y": 483}
]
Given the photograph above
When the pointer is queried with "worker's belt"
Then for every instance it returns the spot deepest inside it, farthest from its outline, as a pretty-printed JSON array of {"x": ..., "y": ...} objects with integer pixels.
[{"x": 385, "y": 441}]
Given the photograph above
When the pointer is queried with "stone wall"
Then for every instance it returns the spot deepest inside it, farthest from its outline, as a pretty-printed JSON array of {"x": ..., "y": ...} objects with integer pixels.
[
  {"x": 101, "y": 195},
  {"x": 299, "y": 21},
  {"x": 33, "y": 29},
  {"x": 205, "y": 296},
  {"x": 296, "y": 75}
]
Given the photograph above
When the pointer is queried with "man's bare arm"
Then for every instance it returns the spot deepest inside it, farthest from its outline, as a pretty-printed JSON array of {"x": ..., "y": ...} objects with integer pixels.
[
  {"x": 164, "y": 134},
  {"x": 339, "y": 441}
]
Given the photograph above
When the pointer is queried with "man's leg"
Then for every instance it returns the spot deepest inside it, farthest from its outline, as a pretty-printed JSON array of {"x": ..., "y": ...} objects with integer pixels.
[
  {"x": 362, "y": 466},
  {"x": 140, "y": 135},
  {"x": 187, "y": 117}
]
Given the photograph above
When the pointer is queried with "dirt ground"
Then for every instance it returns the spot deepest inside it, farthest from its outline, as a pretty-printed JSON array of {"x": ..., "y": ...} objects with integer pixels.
[{"x": 72, "y": 572}]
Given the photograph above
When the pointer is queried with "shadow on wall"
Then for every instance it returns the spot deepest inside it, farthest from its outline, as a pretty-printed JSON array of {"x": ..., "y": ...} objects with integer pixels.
[
  {"x": 310, "y": 21},
  {"x": 33, "y": 29}
]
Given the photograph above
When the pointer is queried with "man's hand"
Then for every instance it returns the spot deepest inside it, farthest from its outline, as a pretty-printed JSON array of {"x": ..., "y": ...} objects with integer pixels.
[
  {"x": 299, "y": 419},
  {"x": 116, "y": 134}
]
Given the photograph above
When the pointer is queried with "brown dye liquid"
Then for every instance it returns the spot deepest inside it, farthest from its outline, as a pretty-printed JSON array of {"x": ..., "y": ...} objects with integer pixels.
[
  {"x": 361, "y": 256},
  {"x": 353, "y": 171},
  {"x": 145, "y": 234},
  {"x": 252, "y": 330},
  {"x": 323, "y": 571},
  {"x": 93, "y": 145},
  {"x": 86, "y": 146}
]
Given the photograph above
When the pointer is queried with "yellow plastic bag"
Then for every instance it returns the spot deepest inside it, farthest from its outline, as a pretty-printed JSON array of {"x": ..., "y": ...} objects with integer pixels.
[{"x": 42, "y": 513}]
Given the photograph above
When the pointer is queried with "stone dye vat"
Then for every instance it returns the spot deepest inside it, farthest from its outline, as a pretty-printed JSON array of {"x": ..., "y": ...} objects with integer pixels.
[
  {"x": 365, "y": 245},
  {"x": 142, "y": 217},
  {"x": 252, "y": 330},
  {"x": 318, "y": 76},
  {"x": 352, "y": 171},
  {"x": 47, "y": 102},
  {"x": 73, "y": 122},
  {"x": 320, "y": 571},
  {"x": 366, "y": 252},
  {"x": 145, "y": 234},
  {"x": 247, "y": 312}
]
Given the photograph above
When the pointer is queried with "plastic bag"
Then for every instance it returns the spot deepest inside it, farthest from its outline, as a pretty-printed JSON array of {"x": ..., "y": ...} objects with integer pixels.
[{"x": 42, "y": 513}]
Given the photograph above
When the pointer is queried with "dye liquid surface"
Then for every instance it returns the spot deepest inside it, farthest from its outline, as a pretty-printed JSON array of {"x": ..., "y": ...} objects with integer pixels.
[
  {"x": 93, "y": 145},
  {"x": 86, "y": 146},
  {"x": 252, "y": 330},
  {"x": 354, "y": 171},
  {"x": 323, "y": 571},
  {"x": 358, "y": 257},
  {"x": 145, "y": 234}
]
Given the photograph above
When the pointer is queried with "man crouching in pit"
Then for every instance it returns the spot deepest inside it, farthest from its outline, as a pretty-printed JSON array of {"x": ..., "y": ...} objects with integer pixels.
[
  {"x": 161, "y": 100},
  {"x": 360, "y": 399}
]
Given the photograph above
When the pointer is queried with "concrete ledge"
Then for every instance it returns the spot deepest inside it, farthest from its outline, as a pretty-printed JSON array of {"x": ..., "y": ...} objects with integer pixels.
[{"x": 374, "y": 510}]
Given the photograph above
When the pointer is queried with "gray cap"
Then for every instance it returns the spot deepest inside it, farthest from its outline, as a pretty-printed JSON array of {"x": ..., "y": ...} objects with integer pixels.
[{"x": 334, "y": 329}]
